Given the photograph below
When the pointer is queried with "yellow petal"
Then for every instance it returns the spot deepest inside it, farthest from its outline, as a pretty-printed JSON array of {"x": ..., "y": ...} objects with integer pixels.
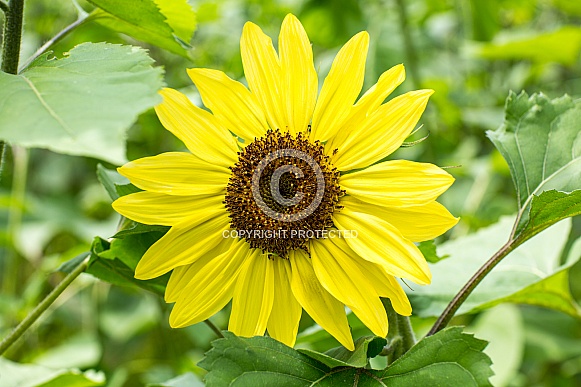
[
  {"x": 262, "y": 71},
  {"x": 382, "y": 132},
  {"x": 367, "y": 104},
  {"x": 384, "y": 284},
  {"x": 299, "y": 78},
  {"x": 200, "y": 131},
  {"x": 167, "y": 210},
  {"x": 341, "y": 88},
  {"x": 210, "y": 289},
  {"x": 397, "y": 183},
  {"x": 416, "y": 223},
  {"x": 176, "y": 173},
  {"x": 377, "y": 93},
  {"x": 230, "y": 102},
  {"x": 283, "y": 323},
  {"x": 183, "y": 244},
  {"x": 341, "y": 276},
  {"x": 253, "y": 296},
  {"x": 182, "y": 275},
  {"x": 379, "y": 242},
  {"x": 319, "y": 304}
]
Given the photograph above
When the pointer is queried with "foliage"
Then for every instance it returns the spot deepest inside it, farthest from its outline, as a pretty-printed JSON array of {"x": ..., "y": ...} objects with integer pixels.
[
  {"x": 262, "y": 361},
  {"x": 86, "y": 100}
]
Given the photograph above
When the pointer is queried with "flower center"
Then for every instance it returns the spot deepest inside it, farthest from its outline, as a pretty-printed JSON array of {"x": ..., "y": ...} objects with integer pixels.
[{"x": 282, "y": 192}]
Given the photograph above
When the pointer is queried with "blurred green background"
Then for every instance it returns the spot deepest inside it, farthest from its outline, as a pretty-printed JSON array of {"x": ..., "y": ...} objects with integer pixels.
[{"x": 471, "y": 52}]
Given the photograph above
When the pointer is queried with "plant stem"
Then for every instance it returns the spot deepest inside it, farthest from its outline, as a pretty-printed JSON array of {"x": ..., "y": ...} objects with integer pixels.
[
  {"x": 2, "y": 157},
  {"x": 459, "y": 298},
  {"x": 54, "y": 40},
  {"x": 406, "y": 332},
  {"x": 12, "y": 36},
  {"x": 17, "y": 199},
  {"x": 43, "y": 306},
  {"x": 214, "y": 328},
  {"x": 410, "y": 51},
  {"x": 14, "y": 13}
]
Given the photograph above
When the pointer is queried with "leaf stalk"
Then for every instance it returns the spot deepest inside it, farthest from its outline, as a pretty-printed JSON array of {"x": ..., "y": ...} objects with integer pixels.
[
  {"x": 467, "y": 289},
  {"x": 43, "y": 306}
]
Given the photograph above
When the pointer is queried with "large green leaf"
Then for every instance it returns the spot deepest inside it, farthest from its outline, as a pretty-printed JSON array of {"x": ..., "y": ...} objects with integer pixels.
[
  {"x": 531, "y": 274},
  {"x": 81, "y": 104},
  {"x": 30, "y": 375},
  {"x": 562, "y": 46},
  {"x": 447, "y": 358},
  {"x": 541, "y": 141},
  {"x": 169, "y": 24},
  {"x": 439, "y": 359}
]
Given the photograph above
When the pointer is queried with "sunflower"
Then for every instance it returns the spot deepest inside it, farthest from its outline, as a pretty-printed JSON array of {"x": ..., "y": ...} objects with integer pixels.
[{"x": 285, "y": 200}]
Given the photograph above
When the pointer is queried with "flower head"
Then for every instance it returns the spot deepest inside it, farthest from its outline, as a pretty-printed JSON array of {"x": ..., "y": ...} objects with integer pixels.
[{"x": 285, "y": 201}]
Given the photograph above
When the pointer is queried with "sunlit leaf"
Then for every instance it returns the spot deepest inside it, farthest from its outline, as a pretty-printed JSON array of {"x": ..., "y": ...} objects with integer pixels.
[
  {"x": 503, "y": 328},
  {"x": 81, "y": 104},
  {"x": 169, "y": 24}
]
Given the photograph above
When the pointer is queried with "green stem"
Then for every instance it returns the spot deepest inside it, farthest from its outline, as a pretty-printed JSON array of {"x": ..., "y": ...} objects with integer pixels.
[
  {"x": 55, "y": 39},
  {"x": 410, "y": 51},
  {"x": 406, "y": 332},
  {"x": 3, "y": 6},
  {"x": 17, "y": 197},
  {"x": 391, "y": 318},
  {"x": 459, "y": 298},
  {"x": 214, "y": 328},
  {"x": 12, "y": 36},
  {"x": 43, "y": 306},
  {"x": 2, "y": 157}
]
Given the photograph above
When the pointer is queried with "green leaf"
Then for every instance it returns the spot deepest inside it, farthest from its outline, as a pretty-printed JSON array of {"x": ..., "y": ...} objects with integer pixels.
[
  {"x": 115, "y": 261},
  {"x": 168, "y": 24},
  {"x": 258, "y": 361},
  {"x": 551, "y": 292},
  {"x": 135, "y": 228},
  {"x": 541, "y": 142},
  {"x": 365, "y": 348},
  {"x": 29, "y": 375},
  {"x": 81, "y": 104},
  {"x": 524, "y": 276},
  {"x": 428, "y": 249},
  {"x": 428, "y": 362},
  {"x": 448, "y": 358},
  {"x": 547, "y": 209},
  {"x": 561, "y": 46},
  {"x": 115, "y": 184}
]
